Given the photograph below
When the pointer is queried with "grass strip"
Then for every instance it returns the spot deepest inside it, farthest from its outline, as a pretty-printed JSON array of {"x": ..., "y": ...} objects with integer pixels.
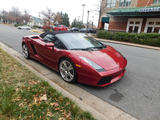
[{"x": 23, "y": 96}]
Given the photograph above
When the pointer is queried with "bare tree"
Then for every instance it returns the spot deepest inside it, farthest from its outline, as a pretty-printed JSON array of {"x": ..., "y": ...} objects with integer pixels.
[
  {"x": 49, "y": 16},
  {"x": 4, "y": 15},
  {"x": 15, "y": 16},
  {"x": 58, "y": 18},
  {"x": 26, "y": 17}
]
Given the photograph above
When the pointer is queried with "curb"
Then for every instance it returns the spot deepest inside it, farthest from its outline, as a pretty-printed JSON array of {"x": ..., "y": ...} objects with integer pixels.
[
  {"x": 37, "y": 31},
  {"x": 98, "y": 108},
  {"x": 129, "y": 44}
]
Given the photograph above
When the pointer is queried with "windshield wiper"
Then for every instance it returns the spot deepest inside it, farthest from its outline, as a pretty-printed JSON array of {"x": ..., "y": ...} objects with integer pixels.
[
  {"x": 78, "y": 49},
  {"x": 92, "y": 48},
  {"x": 89, "y": 48}
]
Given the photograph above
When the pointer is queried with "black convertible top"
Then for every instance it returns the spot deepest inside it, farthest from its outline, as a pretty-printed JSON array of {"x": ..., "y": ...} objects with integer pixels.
[{"x": 54, "y": 33}]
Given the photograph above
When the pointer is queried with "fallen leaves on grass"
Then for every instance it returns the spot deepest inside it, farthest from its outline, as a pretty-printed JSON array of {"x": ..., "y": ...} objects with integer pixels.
[
  {"x": 32, "y": 98},
  {"x": 16, "y": 99}
]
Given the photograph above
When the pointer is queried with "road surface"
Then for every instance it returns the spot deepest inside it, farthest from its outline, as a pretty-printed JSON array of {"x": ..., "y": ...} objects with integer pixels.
[{"x": 138, "y": 93}]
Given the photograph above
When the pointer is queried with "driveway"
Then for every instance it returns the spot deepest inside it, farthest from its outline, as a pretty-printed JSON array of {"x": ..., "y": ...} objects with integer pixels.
[{"x": 138, "y": 93}]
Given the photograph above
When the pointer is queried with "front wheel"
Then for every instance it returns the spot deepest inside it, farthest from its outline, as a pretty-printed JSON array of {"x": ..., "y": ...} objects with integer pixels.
[
  {"x": 67, "y": 71},
  {"x": 25, "y": 51}
]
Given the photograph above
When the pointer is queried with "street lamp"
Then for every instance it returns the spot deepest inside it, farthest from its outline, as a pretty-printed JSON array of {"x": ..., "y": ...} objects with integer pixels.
[
  {"x": 88, "y": 19},
  {"x": 83, "y": 11}
]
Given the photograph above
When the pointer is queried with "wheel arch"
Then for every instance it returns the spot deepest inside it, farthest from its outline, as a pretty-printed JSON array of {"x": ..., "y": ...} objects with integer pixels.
[
  {"x": 72, "y": 62},
  {"x": 23, "y": 43},
  {"x": 62, "y": 58}
]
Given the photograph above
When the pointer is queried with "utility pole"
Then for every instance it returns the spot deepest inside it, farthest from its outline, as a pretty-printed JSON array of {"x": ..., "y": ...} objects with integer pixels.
[
  {"x": 100, "y": 13},
  {"x": 92, "y": 21},
  {"x": 83, "y": 11},
  {"x": 88, "y": 20}
]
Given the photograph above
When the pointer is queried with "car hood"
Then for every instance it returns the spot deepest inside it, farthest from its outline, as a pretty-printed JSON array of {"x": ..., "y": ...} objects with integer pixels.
[{"x": 107, "y": 58}]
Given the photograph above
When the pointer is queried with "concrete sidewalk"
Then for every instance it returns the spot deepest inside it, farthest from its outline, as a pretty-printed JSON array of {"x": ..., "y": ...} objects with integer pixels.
[
  {"x": 98, "y": 108},
  {"x": 129, "y": 44}
]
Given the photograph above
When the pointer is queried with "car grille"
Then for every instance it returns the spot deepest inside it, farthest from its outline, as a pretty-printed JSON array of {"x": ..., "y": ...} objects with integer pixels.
[{"x": 105, "y": 80}]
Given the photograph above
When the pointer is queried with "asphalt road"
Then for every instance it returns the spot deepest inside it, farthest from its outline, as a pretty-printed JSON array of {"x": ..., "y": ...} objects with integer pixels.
[{"x": 138, "y": 93}]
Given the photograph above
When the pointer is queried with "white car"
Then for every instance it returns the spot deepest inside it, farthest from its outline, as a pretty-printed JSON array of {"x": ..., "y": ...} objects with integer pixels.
[{"x": 24, "y": 27}]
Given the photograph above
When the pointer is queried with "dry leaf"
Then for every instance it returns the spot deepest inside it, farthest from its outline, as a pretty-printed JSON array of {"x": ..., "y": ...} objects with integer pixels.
[
  {"x": 21, "y": 104},
  {"x": 44, "y": 97},
  {"x": 17, "y": 99},
  {"x": 57, "y": 108},
  {"x": 36, "y": 100},
  {"x": 61, "y": 119},
  {"x": 54, "y": 104},
  {"x": 49, "y": 114},
  {"x": 67, "y": 116},
  {"x": 31, "y": 82}
]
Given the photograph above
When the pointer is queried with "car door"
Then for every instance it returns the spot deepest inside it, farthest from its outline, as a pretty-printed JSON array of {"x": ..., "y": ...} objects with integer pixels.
[
  {"x": 50, "y": 54},
  {"x": 41, "y": 48}
]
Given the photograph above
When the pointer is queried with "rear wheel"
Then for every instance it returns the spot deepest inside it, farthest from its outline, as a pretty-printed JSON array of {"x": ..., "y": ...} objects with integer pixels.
[
  {"x": 25, "y": 51},
  {"x": 67, "y": 71}
]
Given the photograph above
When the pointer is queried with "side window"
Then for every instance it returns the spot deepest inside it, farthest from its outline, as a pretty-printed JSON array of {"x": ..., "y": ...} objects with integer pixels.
[
  {"x": 49, "y": 38},
  {"x": 58, "y": 44}
]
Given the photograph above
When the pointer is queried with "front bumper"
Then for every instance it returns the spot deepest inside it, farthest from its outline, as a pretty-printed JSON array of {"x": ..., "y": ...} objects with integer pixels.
[
  {"x": 109, "y": 79},
  {"x": 100, "y": 79}
]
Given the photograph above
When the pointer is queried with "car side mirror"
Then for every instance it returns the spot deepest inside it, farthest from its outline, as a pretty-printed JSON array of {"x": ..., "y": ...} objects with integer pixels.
[{"x": 49, "y": 44}]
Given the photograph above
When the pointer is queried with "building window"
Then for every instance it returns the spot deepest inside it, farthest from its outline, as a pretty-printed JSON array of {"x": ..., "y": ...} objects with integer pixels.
[
  {"x": 124, "y": 3},
  {"x": 134, "y": 25},
  {"x": 156, "y": 2},
  {"x": 152, "y": 25},
  {"x": 111, "y": 3}
]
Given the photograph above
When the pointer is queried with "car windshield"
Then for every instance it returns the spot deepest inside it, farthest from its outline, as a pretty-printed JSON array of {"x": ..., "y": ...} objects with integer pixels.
[{"x": 78, "y": 41}]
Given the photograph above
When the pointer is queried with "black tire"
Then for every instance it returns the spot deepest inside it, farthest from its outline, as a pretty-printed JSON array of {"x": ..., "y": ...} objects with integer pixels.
[
  {"x": 68, "y": 72},
  {"x": 25, "y": 51}
]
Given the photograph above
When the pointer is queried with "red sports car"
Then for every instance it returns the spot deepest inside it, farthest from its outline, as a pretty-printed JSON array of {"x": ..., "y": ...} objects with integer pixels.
[{"x": 77, "y": 57}]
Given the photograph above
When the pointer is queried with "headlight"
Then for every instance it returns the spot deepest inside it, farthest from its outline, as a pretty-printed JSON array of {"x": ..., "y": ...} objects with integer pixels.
[{"x": 93, "y": 64}]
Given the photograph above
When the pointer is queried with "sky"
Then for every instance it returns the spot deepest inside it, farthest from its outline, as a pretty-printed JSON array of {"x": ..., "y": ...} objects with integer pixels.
[{"x": 72, "y": 7}]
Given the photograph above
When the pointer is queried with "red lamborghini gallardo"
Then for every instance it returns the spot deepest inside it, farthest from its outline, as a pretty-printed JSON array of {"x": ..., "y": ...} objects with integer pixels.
[{"x": 76, "y": 56}]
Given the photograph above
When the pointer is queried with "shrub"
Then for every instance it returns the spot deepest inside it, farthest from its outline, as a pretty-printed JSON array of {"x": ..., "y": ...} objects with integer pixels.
[
  {"x": 35, "y": 26},
  {"x": 152, "y": 39},
  {"x": 16, "y": 25}
]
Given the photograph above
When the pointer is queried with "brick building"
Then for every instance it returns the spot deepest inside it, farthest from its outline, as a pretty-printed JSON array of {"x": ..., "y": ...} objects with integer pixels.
[{"x": 131, "y": 15}]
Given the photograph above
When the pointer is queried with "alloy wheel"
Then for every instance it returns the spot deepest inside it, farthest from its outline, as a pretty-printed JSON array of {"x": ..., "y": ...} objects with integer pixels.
[
  {"x": 25, "y": 51},
  {"x": 67, "y": 71}
]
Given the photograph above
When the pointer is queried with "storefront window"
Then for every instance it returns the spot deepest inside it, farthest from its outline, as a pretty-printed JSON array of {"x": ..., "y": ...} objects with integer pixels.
[
  {"x": 152, "y": 25},
  {"x": 156, "y": 29},
  {"x": 130, "y": 29},
  {"x": 124, "y": 3},
  {"x": 134, "y": 25},
  {"x": 111, "y": 3},
  {"x": 136, "y": 28},
  {"x": 149, "y": 30},
  {"x": 156, "y": 1}
]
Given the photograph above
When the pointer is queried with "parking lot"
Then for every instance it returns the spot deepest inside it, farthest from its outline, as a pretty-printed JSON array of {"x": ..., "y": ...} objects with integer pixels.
[{"x": 138, "y": 93}]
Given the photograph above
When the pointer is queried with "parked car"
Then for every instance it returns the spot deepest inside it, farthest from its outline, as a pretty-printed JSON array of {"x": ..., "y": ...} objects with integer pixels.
[
  {"x": 24, "y": 27},
  {"x": 60, "y": 28},
  {"x": 83, "y": 30},
  {"x": 77, "y": 57},
  {"x": 55, "y": 28},
  {"x": 91, "y": 30},
  {"x": 74, "y": 29}
]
